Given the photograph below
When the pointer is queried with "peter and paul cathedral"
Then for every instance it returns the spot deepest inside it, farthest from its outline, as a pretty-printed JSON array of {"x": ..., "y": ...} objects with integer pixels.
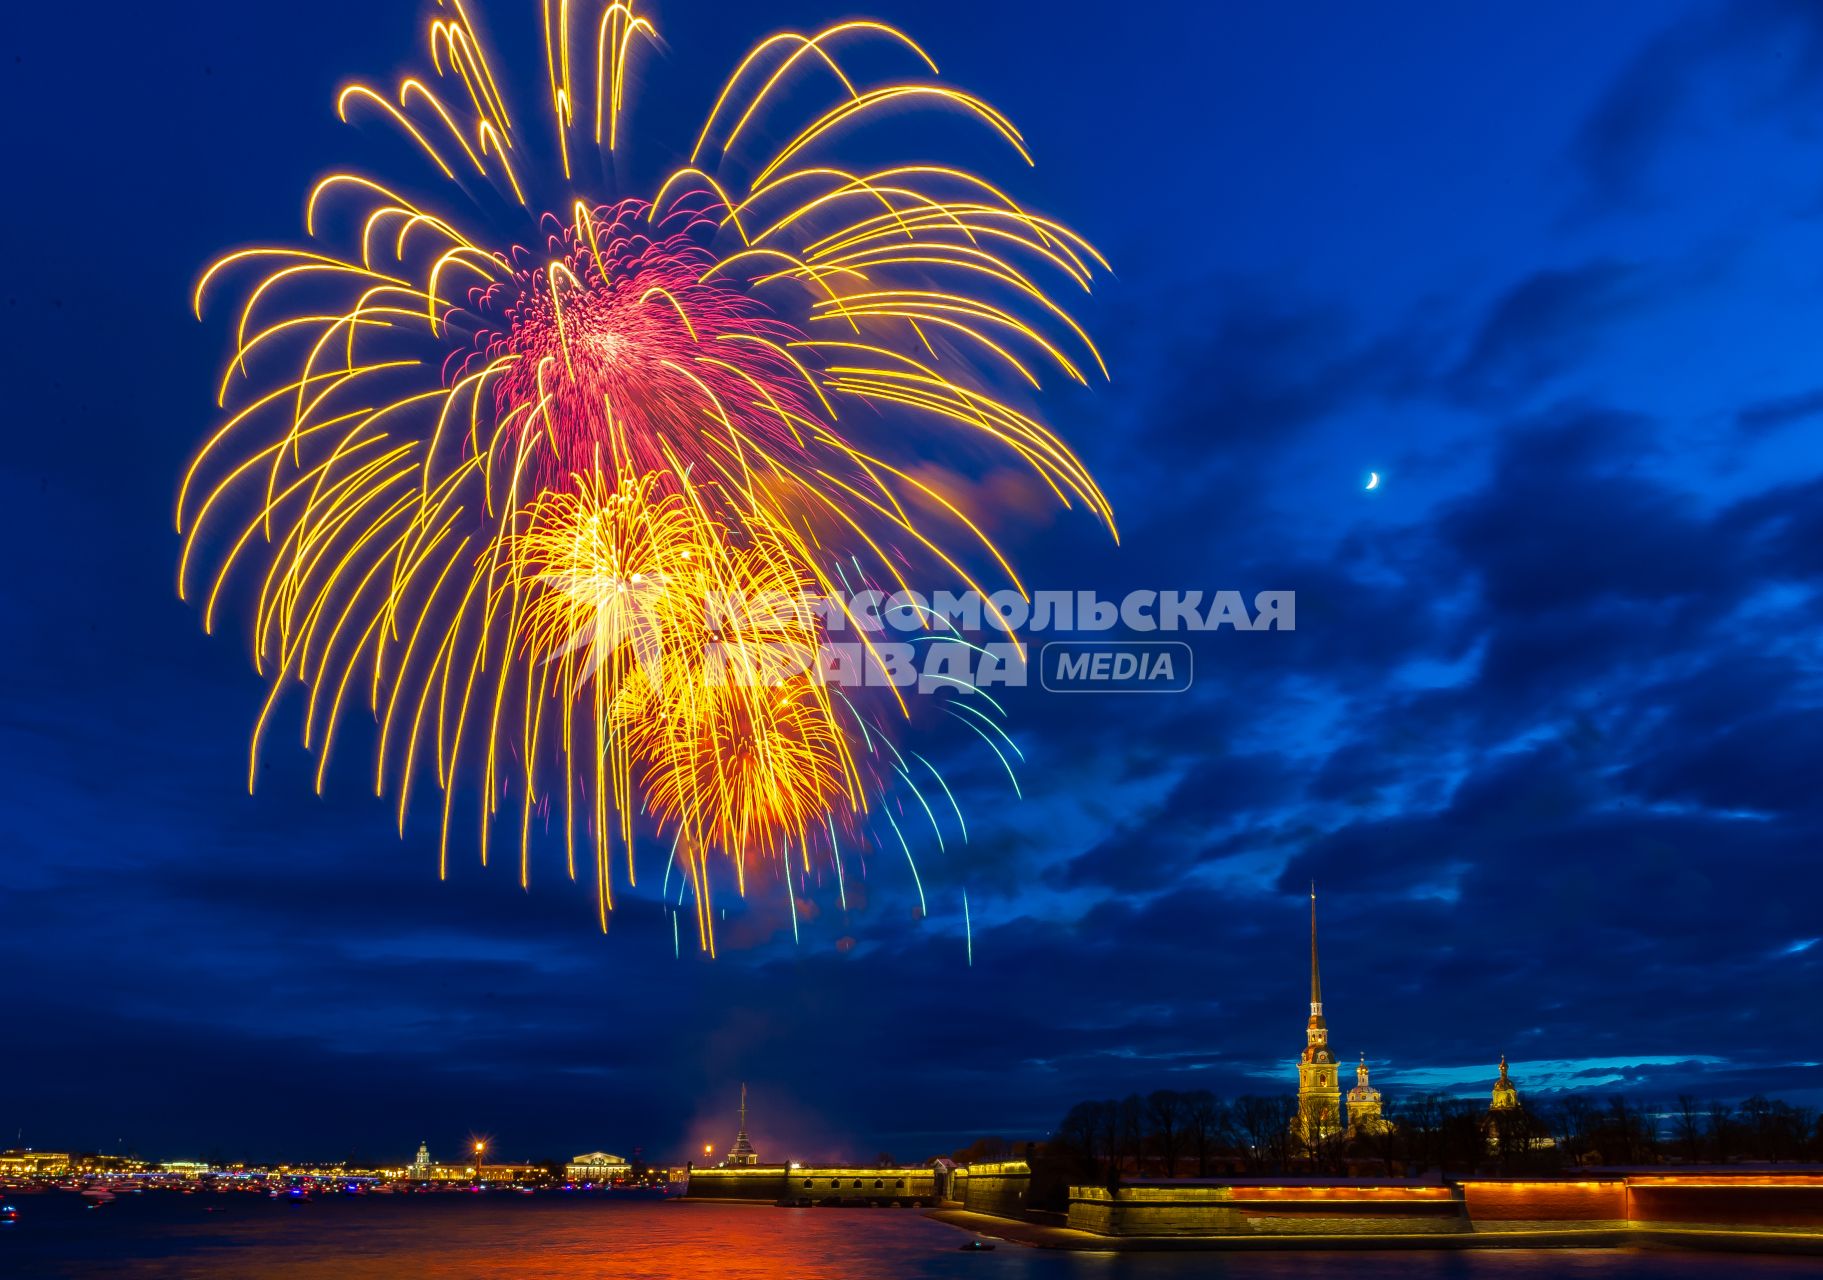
[
  {"x": 1320, "y": 1115},
  {"x": 1319, "y": 1090}
]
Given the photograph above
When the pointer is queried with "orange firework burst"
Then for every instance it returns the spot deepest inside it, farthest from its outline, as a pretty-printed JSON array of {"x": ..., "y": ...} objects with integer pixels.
[{"x": 551, "y": 513}]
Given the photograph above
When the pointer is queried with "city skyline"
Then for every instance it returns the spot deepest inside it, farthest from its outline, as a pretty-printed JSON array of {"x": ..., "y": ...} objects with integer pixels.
[{"x": 1319, "y": 1121}]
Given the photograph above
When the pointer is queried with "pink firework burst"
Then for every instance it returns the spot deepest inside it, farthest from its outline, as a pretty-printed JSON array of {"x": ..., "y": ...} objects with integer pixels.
[{"x": 623, "y": 329}]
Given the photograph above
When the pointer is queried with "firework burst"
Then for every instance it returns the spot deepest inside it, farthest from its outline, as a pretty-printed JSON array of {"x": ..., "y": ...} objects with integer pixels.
[{"x": 501, "y": 498}]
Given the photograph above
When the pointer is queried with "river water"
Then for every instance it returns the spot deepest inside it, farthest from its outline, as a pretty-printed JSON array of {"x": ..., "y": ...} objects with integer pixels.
[{"x": 555, "y": 1237}]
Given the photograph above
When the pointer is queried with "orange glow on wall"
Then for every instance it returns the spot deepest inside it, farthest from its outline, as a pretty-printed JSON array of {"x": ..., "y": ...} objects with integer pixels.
[
  {"x": 1341, "y": 1193},
  {"x": 1776, "y": 1201},
  {"x": 1541, "y": 1201},
  {"x": 1728, "y": 1180}
]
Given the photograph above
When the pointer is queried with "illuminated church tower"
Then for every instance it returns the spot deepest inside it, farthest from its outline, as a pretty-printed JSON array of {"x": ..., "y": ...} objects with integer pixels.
[
  {"x": 1364, "y": 1116},
  {"x": 1319, "y": 1092},
  {"x": 1506, "y": 1096}
]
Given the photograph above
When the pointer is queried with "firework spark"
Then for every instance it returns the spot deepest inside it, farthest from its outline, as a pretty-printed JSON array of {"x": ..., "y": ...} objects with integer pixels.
[{"x": 494, "y": 495}]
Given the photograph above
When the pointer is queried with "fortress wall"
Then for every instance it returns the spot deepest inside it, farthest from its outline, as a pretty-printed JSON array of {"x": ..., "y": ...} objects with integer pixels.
[
  {"x": 997, "y": 1189},
  {"x": 1771, "y": 1202},
  {"x": 1546, "y": 1206},
  {"x": 1168, "y": 1209},
  {"x": 860, "y": 1184},
  {"x": 762, "y": 1182},
  {"x": 815, "y": 1184}
]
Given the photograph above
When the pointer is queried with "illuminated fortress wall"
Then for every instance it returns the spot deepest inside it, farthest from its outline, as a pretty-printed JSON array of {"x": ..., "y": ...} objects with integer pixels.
[
  {"x": 1546, "y": 1206},
  {"x": 1190, "y": 1209},
  {"x": 821, "y": 1184},
  {"x": 816, "y": 1184},
  {"x": 1791, "y": 1203},
  {"x": 997, "y": 1189},
  {"x": 1771, "y": 1202},
  {"x": 760, "y": 1182},
  {"x": 1713, "y": 1201}
]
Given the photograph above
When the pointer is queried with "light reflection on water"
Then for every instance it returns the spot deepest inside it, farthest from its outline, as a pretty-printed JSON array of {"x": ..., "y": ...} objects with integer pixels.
[{"x": 568, "y": 1238}]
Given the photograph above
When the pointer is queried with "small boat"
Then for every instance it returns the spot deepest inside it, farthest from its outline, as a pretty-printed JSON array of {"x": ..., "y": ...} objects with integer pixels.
[
  {"x": 9, "y": 1213},
  {"x": 976, "y": 1246},
  {"x": 97, "y": 1195}
]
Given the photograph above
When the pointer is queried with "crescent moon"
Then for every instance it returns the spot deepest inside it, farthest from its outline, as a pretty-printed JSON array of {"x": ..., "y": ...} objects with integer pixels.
[{"x": 1373, "y": 479}]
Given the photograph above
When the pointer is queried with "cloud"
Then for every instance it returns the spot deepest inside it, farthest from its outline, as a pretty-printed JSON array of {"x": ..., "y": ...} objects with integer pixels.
[
  {"x": 1765, "y": 55},
  {"x": 1542, "y": 326},
  {"x": 1769, "y": 415}
]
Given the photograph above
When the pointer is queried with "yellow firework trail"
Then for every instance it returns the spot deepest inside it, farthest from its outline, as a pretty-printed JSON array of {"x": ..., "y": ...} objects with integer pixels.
[{"x": 548, "y": 509}]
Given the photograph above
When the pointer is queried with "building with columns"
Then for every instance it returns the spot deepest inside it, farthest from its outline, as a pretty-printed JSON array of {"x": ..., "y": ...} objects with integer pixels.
[{"x": 597, "y": 1166}]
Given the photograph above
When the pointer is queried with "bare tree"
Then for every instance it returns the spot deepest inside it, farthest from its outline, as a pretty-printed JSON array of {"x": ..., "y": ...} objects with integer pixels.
[
  {"x": 1107, "y": 1142},
  {"x": 1131, "y": 1117},
  {"x": 1580, "y": 1123},
  {"x": 1079, "y": 1137},
  {"x": 1281, "y": 1140},
  {"x": 1687, "y": 1123},
  {"x": 1756, "y": 1117},
  {"x": 1721, "y": 1132},
  {"x": 1777, "y": 1130},
  {"x": 1420, "y": 1119},
  {"x": 1256, "y": 1117},
  {"x": 1462, "y": 1142},
  {"x": 1205, "y": 1125},
  {"x": 1629, "y": 1131},
  {"x": 1165, "y": 1114}
]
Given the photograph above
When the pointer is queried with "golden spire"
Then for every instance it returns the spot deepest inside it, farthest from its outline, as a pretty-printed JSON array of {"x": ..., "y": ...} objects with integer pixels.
[
  {"x": 1319, "y": 1092},
  {"x": 1316, "y": 985}
]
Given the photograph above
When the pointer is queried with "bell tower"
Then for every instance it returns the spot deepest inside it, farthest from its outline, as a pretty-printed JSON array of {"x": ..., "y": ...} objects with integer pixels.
[
  {"x": 1319, "y": 1090},
  {"x": 1506, "y": 1095},
  {"x": 1364, "y": 1115}
]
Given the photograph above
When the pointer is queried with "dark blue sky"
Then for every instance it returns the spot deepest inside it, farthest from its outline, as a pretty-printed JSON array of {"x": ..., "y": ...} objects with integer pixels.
[{"x": 1545, "y": 734}]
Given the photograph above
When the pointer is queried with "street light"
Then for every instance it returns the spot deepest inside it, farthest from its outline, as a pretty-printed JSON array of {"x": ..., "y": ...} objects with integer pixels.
[{"x": 479, "y": 1146}]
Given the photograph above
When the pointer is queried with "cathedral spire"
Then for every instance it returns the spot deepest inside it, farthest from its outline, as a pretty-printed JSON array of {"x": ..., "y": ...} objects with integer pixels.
[
  {"x": 1319, "y": 1094},
  {"x": 1316, "y": 985}
]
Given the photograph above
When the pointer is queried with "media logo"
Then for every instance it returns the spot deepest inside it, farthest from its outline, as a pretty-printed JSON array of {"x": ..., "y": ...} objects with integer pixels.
[{"x": 1116, "y": 666}]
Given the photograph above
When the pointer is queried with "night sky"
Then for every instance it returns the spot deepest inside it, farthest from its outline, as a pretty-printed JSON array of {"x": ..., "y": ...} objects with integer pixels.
[{"x": 1545, "y": 735}]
